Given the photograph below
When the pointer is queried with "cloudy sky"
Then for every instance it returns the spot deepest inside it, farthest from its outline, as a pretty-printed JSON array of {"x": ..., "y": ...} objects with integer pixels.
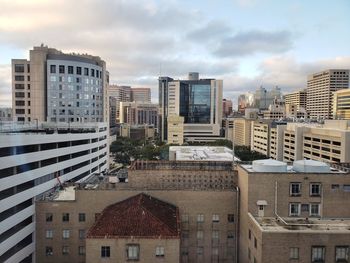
[{"x": 247, "y": 43}]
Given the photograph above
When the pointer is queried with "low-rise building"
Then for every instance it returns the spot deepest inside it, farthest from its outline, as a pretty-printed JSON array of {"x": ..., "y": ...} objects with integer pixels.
[
  {"x": 341, "y": 104},
  {"x": 200, "y": 153}
]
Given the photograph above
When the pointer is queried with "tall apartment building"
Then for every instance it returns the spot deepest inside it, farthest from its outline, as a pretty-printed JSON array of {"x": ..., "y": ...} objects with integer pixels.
[
  {"x": 59, "y": 87},
  {"x": 297, "y": 98},
  {"x": 341, "y": 104},
  {"x": 320, "y": 89},
  {"x": 199, "y": 101},
  {"x": 141, "y": 95},
  {"x": 329, "y": 142},
  {"x": 242, "y": 131},
  {"x": 202, "y": 193},
  {"x": 135, "y": 113},
  {"x": 120, "y": 94},
  {"x": 34, "y": 161},
  {"x": 293, "y": 213}
]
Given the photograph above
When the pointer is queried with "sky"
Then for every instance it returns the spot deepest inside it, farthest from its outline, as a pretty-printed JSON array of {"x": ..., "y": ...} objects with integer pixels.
[{"x": 246, "y": 43}]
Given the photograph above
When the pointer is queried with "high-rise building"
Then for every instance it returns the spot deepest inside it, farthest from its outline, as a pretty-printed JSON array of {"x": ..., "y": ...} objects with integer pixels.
[
  {"x": 120, "y": 93},
  {"x": 199, "y": 101},
  {"x": 242, "y": 131},
  {"x": 175, "y": 129},
  {"x": 297, "y": 98},
  {"x": 341, "y": 104},
  {"x": 141, "y": 95},
  {"x": 58, "y": 87},
  {"x": 320, "y": 89},
  {"x": 226, "y": 107},
  {"x": 35, "y": 161},
  {"x": 135, "y": 113},
  {"x": 163, "y": 107}
]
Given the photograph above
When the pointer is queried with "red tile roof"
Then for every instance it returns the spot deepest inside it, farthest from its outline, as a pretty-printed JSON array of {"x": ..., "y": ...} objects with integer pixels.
[{"x": 138, "y": 216}]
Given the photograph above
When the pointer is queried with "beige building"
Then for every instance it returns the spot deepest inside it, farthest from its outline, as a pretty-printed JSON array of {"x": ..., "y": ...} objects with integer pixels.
[
  {"x": 120, "y": 94},
  {"x": 141, "y": 95},
  {"x": 341, "y": 104},
  {"x": 175, "y": 129},
  {"x": 242, "y": 131},
  {"x": 228, "y": 126},
  {"x": 207, "y": 216},
  {"x": 297, "y": 213},
  {"x": 137, "y": 132},
  {"x": 59, "y": 87},
  {"x": 297, "y": 98},
  {"x": 135, "y": 113},
  {"x": 320, "y": 89},
  {"x": 276, "y": 142},
  {"x": 328, "y": 142}
]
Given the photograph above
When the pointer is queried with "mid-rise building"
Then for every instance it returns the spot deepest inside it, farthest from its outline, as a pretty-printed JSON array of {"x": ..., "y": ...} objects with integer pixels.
[
  {"x": 35, "y": 161},
  {"x": 242, "y": 132},
  {"x": 201, "y": 153},
  {"x": 328, "y": 142},
  {"x": 59, "y": 87},
  {"x": 227, "y": 127},
  {"x": 276, "y": 110},
  {"x": 120, "y": 94},
  {"x": 293, "y": 213},
  {"x": 175, "y": 129},
  {"x": 341, "y": 104},
  {"x": 137, "y": 132},
  {"x": 135, "y": 113},
  {"x": 199, "y": 101},
  {"x": 297, "y": 98},
  {"x": 320, "y": 89},
  {"x": 226, "y": 107},
  {"x": 141, "y": 95},
  {"x": 5, "y": 114}
]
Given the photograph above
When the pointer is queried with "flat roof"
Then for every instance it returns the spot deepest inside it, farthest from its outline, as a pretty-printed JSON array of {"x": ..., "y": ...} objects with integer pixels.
[
  {"x": 333, "y": 170},
  {"x": 310, "y": 225},
  {"x": 202, "y": 153}
]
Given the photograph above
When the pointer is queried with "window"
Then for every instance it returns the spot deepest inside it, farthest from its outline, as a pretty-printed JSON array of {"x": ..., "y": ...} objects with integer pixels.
[
  {"x": 342, "y": 254},
  {"x": 81, "y": 217},
  {"x": 200, "y": 234},
  {"x": 81, "y": 250},
  {"x": 335, "y": 186},
  {"x": 133, "y": 252},
  {"x": 81, "y": 233},
  {"x": 216, "y": 218},
  {"x": 294, "y": 209},
  {"x": 346, "y": 187},
  {"x": 49, "y": 217},
  {"x": 255, "y": 242},
  {"x": 159, "y": 251},
  {"x": 200, "y": 251},
  {"x": 184, "y": 218},
  {"x": 215, "y": 251},
  {"x": 92, "y": 73},
  {"x": 318, "y": 254},
  {"x": 86, "y": 71},
  {"x": 249, "y": 254},
  {"x": 19, "y": 67},
  {"x": 78, "y": 70},
  {"x": 230, "y": 234},
  {"x": 184, "y": 234},
  {"x": 49, "y": 234},
  {"x": 65, "y": 250},
  {"x": 294, "y": 253},
  {"x": 52, "y": 68},
  {"x": 314, "y": 209},
  {"x": 65, "y": 233},
  {"x": 231, "y": 218},
  {"x": 65, "y": 217},
  {"x": 250, "y": 234},
  {"x": 215, "y": 234},
  {"x": 19, "y": 78},
  {"x": 105, "y": 252},
  {"x": 315, "y": 189},
  {"x": 295, "y": 189},
  {"x": 200, "y": 218},
  {"x": 70, "y": 69},
  {"x": 61, "y": 69},
  {"x": 48, "y": 251}
]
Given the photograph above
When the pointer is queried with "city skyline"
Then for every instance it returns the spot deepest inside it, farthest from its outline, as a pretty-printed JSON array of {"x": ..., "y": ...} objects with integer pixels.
[{"x": 246, "y": 43}]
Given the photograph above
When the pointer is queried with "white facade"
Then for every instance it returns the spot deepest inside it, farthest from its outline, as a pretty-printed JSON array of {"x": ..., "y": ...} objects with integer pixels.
[
  {"x": 200, "y": 153},
  {"x": 33, "y": 164}
]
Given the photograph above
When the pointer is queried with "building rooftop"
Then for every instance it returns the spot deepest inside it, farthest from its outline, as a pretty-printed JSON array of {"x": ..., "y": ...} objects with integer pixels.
[
  {"x": 311, "y": 225},
  {"x": 140, "y": 216},
  {"x": 200, "y": 153}
]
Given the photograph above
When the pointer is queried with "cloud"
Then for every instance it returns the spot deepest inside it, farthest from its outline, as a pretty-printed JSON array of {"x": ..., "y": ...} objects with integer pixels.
[
  {"x": 5, "y": 86},
  {"x": 248, "y": 43}
]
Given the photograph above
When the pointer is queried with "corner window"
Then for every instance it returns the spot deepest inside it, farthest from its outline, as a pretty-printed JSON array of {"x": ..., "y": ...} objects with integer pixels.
[
  {"x": 133, "y": 252},
  {"x": 315, "y": 189},
  {"x": 294, "y": 209},
  {"x": 105, "y": 252},
  {"x": 342, "y": 254},
  {"x": 294, "y": 253},
  {"x": 159, "y": 251},
  {"x": 295, "y": 189},
  {"x": 318, "y": 254}
]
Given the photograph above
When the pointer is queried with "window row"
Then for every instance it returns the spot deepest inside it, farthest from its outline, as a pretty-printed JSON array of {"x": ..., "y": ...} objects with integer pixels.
[
  {"x": 62, "y": 69},
  {"x": 314, "y": 189},
  {"x": 65, "y": 250},
  {"x": 313, "y": 209},
  {"x": 65, "y": 217},
  {"x": 132, "y": 251},
  {"x": 200, "y": 218},
  {"x": 66, "y": 233},
  {"x": 318, "y": 253}
]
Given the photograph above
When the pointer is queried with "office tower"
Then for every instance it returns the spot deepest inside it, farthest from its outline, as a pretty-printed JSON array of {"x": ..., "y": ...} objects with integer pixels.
[
  {"x": 297, "y": 98},
  {"x": 135, "y": 113},
  {"x": 141, "y": 95},
  {"x": 120, "y": 93},
  {"x": 163, "y": 107},
  {"x": 226, "y": 107},
  {"x": 341, "y": 104},
  {"x": 199, "y": 101},
  {"x": 320, "y": 89},
  {"x": 59, "y": 87},
  {"x": 35, "y": 161}
]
